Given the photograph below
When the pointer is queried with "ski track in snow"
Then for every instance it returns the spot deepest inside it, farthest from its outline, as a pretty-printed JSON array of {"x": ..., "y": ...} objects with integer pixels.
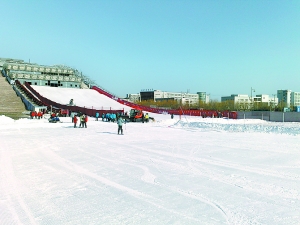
[
  {"x": 197, "y": 165},
  {"x": 119, "y": 168},
  {"x": 11, "y": 191},
  {"x": 71, "y": 169}
]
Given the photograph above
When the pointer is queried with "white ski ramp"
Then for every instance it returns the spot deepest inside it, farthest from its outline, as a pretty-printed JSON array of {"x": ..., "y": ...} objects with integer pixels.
[{"x": 87, "y": 98}]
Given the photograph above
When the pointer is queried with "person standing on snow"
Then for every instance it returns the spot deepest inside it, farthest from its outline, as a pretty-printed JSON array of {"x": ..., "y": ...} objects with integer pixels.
[
  {"x": 97, "y": 116},
  {"x": 75, "y": 120},
  {"x": 120, "y": 123},
  {"x": 143, "y": 117},
  {"x": 85, "y": 120},
  {"x": 40, "y": 115},
  {"x": 81, "y": 119},
  {"x": 147, "y": 117}
]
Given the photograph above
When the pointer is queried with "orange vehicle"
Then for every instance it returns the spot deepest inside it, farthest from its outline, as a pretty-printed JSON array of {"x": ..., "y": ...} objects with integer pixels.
[{"x": 136, "y": 115}]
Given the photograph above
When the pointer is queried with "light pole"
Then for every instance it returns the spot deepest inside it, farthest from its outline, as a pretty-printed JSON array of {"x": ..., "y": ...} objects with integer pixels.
[{"x": 252, "y": 90}]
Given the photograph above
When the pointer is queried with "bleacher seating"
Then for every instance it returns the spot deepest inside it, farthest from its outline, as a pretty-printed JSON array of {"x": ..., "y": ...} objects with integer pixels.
[{"x": 10, "y": 103}]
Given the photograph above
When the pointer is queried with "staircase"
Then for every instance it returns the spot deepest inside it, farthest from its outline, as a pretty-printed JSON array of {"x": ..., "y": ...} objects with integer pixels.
[{"x": 10, "y": 104}]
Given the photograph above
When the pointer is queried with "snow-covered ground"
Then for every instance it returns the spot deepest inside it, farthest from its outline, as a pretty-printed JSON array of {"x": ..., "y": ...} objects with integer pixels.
[
  {"x": 188, "y": 171},
  {"x": 184, "y": 170}
]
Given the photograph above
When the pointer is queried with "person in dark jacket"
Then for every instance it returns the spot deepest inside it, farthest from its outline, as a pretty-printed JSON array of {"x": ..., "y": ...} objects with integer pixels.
[
  {"x": 85, "y": 121},
  {"x": 143, "y": 117}
]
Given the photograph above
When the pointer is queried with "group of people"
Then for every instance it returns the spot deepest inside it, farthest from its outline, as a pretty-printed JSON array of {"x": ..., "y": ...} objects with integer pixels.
[
  {"x": 82, "y": 118},
  {"x": 36, "y": 115},
  {"x": 109, "y": 117}
]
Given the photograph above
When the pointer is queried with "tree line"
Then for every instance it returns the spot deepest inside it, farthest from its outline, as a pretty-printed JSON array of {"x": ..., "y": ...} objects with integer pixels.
[{"x": 215, "y": 105}]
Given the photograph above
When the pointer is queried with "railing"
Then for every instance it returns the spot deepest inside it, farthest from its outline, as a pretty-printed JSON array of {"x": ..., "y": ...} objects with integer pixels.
[{"x": 29, "y": 95}]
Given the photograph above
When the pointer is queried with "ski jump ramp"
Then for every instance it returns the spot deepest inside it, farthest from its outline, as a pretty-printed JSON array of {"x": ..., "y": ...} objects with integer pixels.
[{"x": 87, "y": 98}]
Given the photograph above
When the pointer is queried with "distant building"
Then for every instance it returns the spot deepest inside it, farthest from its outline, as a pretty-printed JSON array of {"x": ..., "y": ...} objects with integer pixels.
[
  {"x": 295, "y": 98},
  {"x": 246, "y": 100},
  {"x": 157, "y": 95},
  {"x": 203, "y": 97},
  {"x": 288, "y": 98},
  {"x": 265, "y": 99},
  {"x": 284, "y": 97},
  {"x": 133, "y": 97},
  {"x": 236, "y": 98},
  {"x": 52, "y": 76}
]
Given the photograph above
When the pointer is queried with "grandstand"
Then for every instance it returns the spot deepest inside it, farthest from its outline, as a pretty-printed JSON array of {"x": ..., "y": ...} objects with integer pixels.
[
  {"x": 20, "y": 75},
  {"x": 53, "y": 76},
  {"x": 10, "y": 104}
]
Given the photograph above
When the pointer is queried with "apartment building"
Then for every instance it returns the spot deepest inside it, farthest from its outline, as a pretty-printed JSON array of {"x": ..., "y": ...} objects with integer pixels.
[
  {"x": 247, "y": 100},
  {"x": 284, "y": 97},
  {"x": 133, "y": 97},
  {"x": 295, "y": 98},
  {"x": 203, "y": 97},
  {"x": 237, "y": 98}
]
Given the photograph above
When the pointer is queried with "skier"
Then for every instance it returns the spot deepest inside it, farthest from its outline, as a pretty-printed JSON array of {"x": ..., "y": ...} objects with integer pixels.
[
  {"x": 97, "y": 116},
  {"x": 120, "y": 122}
]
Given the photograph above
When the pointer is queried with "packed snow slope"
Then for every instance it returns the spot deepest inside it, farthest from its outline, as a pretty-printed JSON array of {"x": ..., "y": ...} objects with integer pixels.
[
  {"x": 188, "y": 171},
  {"x": 87, "y": 98}
]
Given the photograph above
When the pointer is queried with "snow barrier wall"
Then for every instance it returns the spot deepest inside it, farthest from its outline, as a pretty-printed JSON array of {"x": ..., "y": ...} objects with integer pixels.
[{"x": 270, "y": 116}]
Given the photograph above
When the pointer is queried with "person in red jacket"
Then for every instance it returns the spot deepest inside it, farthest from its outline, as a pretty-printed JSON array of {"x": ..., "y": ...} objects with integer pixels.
[
  {"x": 32, "y": 114},
  {"x": 85, "y": 120},
  {"x": 35, "y": 114},
  {"x": 75, "y": 119},
  {"x": 39, "y": 114}
]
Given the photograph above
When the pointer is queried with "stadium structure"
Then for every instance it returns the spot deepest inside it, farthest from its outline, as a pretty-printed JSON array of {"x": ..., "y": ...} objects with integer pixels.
[
  {"x": 34, "y": 74},
  {"x": 24, "y": 76}
]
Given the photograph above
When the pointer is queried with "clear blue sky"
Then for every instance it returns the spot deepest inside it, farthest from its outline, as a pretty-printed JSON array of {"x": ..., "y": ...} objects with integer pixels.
[{"x": 216, "y": 46}]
